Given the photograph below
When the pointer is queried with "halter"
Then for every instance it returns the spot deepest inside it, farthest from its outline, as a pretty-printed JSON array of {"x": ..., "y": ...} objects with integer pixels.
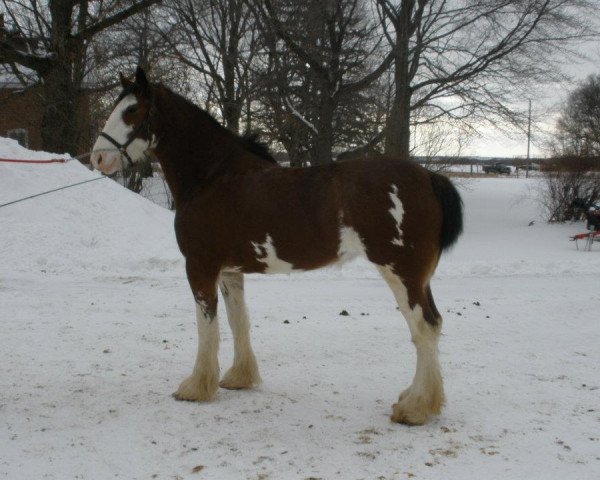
[{"x": 122, "y": 147}]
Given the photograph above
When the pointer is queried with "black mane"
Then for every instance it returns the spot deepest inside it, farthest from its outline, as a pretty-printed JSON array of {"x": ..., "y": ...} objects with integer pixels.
[{"x": 253, "y": 144}]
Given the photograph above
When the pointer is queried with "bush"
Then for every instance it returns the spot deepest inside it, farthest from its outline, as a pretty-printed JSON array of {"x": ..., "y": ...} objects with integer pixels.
[{"x": 570, "y": 185}]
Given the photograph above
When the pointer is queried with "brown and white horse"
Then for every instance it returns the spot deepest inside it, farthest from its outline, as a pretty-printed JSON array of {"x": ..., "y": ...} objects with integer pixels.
[{"x": 238, "y": 212}]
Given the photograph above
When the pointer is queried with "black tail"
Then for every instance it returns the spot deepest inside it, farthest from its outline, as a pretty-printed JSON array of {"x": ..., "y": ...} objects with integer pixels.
[{"x": 452, "y": 209}]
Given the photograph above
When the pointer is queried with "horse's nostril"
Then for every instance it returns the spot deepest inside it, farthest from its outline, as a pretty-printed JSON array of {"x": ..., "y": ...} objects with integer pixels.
[{"x": 99, "y": 160}]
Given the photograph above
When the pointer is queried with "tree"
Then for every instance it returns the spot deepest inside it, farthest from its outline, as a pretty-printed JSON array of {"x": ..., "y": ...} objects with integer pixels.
[
  {"x": 217, "y": 40},
  {"x": 578, "y": 128},
  {"x": 572, "y": 182},
  {"x": 467, "y": 60},
  {"x": 54, "y": 37},
  {"x": 322, "y": 55}
]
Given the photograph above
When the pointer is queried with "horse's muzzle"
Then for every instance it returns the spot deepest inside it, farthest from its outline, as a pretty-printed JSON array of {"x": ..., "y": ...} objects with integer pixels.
[{"x": 106, "y": 161}]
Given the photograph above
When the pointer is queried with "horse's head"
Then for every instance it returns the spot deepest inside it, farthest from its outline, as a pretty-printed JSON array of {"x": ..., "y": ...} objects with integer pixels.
[{"x": 126, "y": 136}]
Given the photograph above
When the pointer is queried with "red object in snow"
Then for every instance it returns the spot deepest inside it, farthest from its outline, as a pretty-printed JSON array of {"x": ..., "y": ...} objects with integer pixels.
[{"x": 52, "y": 160}]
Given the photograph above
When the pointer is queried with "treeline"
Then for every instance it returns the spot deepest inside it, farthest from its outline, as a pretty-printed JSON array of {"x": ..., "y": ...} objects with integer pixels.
[{"x": 315, "y": 77}]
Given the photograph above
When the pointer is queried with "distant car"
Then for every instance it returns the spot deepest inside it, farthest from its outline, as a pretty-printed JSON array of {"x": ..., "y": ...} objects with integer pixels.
[
  {"x": 530, "y": 167},
  {"x": 496, "y": 168}
]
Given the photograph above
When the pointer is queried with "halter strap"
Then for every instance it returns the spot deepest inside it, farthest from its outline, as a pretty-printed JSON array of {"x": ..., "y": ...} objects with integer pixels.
[{"x": 121, "y": 147}]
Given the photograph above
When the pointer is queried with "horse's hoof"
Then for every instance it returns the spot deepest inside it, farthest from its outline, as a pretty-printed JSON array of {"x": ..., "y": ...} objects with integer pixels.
[
  {"x": 197, "y": 389},
  {"x": 241, "y": 377},
  {"x": 408, "y": 418}
]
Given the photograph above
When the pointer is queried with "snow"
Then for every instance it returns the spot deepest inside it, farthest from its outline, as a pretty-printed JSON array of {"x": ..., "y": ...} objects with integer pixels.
[
  {"x": 80, "y": 229},
  {"x": 11, "y": 149},
  {"x": 98, "y": 329}
]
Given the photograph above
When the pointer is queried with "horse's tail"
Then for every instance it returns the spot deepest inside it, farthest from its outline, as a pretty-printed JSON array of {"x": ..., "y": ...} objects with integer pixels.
[{"x": 452, "y": 209}]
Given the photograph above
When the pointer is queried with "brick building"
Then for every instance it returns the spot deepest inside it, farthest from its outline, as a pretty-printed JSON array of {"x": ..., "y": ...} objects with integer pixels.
[
  {"x": 22, "y": 103},
  {"x": 20, "y": 113},
  {"x": 22, "y": 110}
]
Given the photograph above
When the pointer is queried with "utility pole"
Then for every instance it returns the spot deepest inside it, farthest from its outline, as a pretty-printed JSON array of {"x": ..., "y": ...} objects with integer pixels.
[{"x": 528, "y": 142}]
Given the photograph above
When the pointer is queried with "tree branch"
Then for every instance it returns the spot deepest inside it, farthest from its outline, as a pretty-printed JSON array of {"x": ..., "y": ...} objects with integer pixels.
[
  {"x": 11, "y": 54},
  {"x": 92, "y": 30}
]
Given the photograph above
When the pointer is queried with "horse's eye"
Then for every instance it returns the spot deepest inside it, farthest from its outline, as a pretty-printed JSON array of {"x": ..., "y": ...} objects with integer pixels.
[{"x": 131, "y": 109}]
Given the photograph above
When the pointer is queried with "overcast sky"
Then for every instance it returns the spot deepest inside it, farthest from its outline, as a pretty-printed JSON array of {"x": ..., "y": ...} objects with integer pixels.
[{"x": 494, "y": 143}]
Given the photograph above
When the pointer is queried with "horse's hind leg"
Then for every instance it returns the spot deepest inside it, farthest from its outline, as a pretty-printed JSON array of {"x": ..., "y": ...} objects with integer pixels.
[
  {"x": 244, "y": 371},
  {"x": 425, "y": 396}
]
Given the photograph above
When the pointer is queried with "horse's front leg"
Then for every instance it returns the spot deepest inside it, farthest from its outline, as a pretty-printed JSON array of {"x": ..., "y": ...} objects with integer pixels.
[
  {"x": 244, "y": 371},
  {"x": 203, "y": 383}
]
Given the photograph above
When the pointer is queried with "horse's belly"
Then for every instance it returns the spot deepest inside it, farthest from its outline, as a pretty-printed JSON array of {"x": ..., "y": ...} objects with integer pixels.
[{"x": 267, "y": 258}]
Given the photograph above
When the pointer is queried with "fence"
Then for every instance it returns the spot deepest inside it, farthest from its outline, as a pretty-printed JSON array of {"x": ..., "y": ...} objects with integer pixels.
[{"x": 154, "y": 188}]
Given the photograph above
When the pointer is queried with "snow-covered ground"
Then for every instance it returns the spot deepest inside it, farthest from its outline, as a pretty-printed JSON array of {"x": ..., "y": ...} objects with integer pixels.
[{"x": 98, "y": 329}]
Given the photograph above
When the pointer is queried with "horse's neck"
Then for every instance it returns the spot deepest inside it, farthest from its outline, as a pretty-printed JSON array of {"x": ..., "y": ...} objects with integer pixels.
[{"x": 192, "y": 150}]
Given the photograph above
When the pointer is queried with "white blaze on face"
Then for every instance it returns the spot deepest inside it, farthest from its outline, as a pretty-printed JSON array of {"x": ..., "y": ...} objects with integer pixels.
[
  {"x": 266, "y": 253},
  {"x": 397, "y": 211},
  {"x": 106, "y": 156}
]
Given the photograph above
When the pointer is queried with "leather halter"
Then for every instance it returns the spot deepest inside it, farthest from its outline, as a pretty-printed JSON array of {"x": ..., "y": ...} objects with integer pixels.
[{"x": 122, "y": 147}]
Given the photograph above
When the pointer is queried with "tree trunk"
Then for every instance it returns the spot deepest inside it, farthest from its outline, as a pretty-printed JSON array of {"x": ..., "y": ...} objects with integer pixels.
[
  {"x": 61, "y": 97},
  {"x": 60, "y": 123},
  {"x": 397, "y": 137},
  {"x": 232, "y": 106},
  {"x": 322, "y": 153}
]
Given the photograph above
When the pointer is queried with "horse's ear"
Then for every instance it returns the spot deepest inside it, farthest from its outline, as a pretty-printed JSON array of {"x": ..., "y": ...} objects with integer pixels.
[
  {"x": 125, "y": 82},
  {"x": 141, "y": 80}
]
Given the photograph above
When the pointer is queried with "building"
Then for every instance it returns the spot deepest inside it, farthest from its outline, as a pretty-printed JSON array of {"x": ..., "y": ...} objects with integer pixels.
[{"x": 22, "y": 104}]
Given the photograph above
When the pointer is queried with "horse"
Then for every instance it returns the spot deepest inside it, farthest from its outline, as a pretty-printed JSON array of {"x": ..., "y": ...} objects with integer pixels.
[{"x": 238, "y": 212}]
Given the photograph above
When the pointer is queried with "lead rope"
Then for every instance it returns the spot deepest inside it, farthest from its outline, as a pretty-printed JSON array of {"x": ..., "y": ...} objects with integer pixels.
[
  {"x": 50, "y": 191},
  {"x": 78, "y": 157}
]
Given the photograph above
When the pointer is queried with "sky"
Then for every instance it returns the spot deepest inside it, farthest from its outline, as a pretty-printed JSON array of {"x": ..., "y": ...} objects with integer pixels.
[{"x": 496, "y": 144}]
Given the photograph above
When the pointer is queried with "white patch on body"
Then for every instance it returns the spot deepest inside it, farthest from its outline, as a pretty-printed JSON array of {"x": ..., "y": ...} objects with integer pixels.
[
  {"x": 266, "y": 253},
  {"x": 351, "y": 245},
  {"x": 397, "y": 211}
]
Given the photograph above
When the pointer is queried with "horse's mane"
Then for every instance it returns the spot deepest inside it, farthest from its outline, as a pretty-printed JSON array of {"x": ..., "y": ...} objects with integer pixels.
[
  {"x": 253, "y": 144},
  {"x": 249, "y": 141}
]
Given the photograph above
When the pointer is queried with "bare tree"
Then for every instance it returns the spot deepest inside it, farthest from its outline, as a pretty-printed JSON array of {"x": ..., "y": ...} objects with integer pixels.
[
  {"x": 217, "y": 40},
  {"x": 571, "y": 181},
  {"x": 55, "y": 36},
  {"x": 466, "y": 60},
  {"x": 578, "y": 128},
  {"x": 438, "y": 145}
]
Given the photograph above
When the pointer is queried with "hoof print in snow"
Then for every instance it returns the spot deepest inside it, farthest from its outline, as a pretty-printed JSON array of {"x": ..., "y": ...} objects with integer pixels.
[
  {"x": 344, "y": 313},
  {"x": 286, "y": 322}
]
